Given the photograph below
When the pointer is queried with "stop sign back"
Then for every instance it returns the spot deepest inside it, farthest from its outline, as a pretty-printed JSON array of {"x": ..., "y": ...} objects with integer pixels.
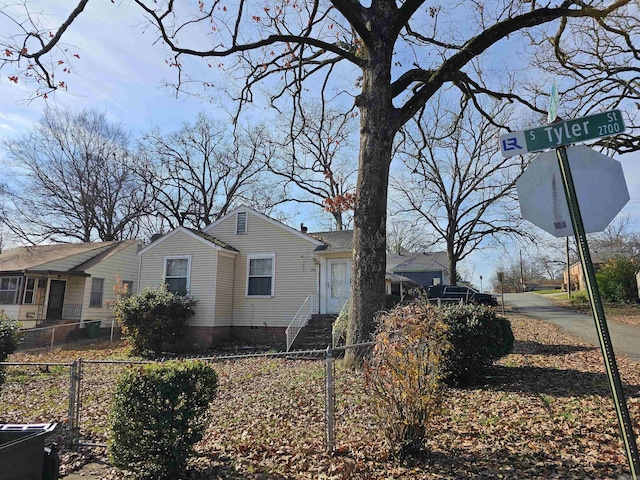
[{"x": 600, "y": 187}]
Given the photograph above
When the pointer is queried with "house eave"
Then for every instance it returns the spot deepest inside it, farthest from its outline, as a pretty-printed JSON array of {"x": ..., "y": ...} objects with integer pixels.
[{"x": 34, "y": 273}]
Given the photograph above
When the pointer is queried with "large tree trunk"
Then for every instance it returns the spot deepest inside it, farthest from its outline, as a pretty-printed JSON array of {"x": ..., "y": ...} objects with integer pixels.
[
  {"x": 370, "y": 213},
  {"x": 453, "y": 270},
  {"x": 452, "y": 259}
]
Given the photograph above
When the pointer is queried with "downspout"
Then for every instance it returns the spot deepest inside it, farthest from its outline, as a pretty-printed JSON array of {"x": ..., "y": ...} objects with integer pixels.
[
  {"x": 316, "y": 261},
  {"x": 215, "y": 290},
  {"x": 233, "y": 291},
  {"x": 139, "y": 272}
]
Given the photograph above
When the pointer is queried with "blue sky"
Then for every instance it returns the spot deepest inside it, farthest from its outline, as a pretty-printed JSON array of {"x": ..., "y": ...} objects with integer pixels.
[{"x": 121, "y": 72}]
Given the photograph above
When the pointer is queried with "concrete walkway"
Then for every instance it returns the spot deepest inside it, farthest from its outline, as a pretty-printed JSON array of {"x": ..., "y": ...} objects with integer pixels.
[{"x": 625, "y": 338}]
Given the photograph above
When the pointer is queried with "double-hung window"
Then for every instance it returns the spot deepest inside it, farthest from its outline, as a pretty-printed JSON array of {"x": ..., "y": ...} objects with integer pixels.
[
  {"x": 9, "y": 288},
  {"x": 97, "y": 292},
  {"x": 30, "y": 291},
  {"x": 261, "y": 275},
  {"x": 176, "y": 274}
]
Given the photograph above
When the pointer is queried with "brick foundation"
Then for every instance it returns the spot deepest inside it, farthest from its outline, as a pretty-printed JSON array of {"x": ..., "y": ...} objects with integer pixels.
[
  {"x": 274, "y": 337},
  {"x": 199, "y": 339}
]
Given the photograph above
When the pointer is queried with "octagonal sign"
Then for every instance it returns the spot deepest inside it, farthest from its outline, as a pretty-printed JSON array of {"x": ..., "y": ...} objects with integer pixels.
[{"x": 600, "y": 187}]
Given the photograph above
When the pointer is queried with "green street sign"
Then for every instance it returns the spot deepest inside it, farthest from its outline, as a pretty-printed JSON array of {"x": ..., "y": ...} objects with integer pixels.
[{"x": 563, "y": 133}]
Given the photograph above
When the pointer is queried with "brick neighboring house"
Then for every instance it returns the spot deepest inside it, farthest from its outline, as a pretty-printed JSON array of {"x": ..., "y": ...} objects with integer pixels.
[{"x": 577, "y": 275}]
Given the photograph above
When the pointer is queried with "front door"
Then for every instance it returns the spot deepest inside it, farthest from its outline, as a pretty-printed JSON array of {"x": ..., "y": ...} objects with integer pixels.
[
  {"x": 338, "y": 284},
  {"x": 56, "y": 299}
]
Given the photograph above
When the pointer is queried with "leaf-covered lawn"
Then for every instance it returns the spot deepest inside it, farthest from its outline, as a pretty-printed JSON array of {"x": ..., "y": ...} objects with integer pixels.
[{"x": 543, "y": 412}]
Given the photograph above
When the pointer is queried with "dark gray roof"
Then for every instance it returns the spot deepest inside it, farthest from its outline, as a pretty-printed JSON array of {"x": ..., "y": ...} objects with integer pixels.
[
  {"x": 24, "y": 258},
  {"x": 212, "y": 239},
  {"x": 417, "y": 262},
  {"x": 335, "y": 241}
]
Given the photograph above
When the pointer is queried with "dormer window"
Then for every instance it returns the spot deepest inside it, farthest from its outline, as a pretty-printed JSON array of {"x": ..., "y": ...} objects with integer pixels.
[{"x": 241, "y": 223}]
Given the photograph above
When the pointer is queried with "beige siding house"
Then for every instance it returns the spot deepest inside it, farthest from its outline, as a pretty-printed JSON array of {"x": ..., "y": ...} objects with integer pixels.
[
  {"x": 68, "y": 282},
  {"x": 250, "y": 275},
  {"x": 194, "y": 263}
]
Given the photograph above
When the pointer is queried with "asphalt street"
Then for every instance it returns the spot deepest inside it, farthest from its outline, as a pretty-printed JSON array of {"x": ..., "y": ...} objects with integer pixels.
[{"x": 625, "y": 339}]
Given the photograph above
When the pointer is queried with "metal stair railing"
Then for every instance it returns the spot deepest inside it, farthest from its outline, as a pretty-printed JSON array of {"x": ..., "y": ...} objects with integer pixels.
[{"x": 308, "y": 307}]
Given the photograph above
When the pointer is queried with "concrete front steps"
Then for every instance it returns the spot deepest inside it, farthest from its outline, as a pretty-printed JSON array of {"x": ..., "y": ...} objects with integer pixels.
[{"x": 316, "y": 335}]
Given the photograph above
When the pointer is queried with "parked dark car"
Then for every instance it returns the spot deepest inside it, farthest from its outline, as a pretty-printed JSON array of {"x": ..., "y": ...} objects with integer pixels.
[{"x": 466, "y": 294}]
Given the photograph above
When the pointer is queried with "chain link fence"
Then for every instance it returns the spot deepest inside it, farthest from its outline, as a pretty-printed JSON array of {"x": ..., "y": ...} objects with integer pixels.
[
  {"x": 56, "y": 335},
  {"x": 263, "y": 397}
]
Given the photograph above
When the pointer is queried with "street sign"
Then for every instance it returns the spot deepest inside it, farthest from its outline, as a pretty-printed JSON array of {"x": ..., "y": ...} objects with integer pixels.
[
  {"x": 600, "y": 187},
  {"x": 562, "y": 133},
  {"x": 592, "y": 180}
]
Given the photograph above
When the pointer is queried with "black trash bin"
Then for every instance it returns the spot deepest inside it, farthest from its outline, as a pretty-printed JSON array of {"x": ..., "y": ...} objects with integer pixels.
[{"x": 22, "y": 451}]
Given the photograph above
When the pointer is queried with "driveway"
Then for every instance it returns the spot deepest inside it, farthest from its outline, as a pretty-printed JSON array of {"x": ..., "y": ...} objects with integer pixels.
[{"x": 625, "y": 339}]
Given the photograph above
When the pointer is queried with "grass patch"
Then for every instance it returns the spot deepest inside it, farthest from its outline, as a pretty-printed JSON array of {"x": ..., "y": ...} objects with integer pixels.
[{"x": 550, "y": 292}]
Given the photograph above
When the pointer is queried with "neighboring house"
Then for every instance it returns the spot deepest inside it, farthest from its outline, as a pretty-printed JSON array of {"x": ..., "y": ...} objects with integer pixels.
[
  {"x": 250, "y": 275},
  {"x": 68, "y": 282},
  {"x": 578, "y": 281},
  {"x": 425, "y": 269}
]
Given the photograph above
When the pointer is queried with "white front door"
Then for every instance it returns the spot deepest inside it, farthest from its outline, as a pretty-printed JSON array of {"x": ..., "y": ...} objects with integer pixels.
[{"x": 338, "y": 283}]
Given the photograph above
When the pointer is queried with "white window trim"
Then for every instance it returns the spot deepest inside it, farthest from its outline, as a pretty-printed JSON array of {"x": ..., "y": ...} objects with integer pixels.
[
  {"x": 16, "y": 292},
  {"x": 246, "y": 223},
  {"x": 178, "y": 257},
  {"x": 35, "y": 290},
  {"x": 273, "y": 274}
]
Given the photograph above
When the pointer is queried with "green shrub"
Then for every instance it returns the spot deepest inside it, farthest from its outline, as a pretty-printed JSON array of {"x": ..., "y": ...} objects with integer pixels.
[
  {"x": 617, "y": 280},
  {"x": 158, "y": 415},
  {"x": 478, "y": 336},
  {"x": 404, "y": 373},
  {"x": 152, "y": 317},
  {"x": 9, "y": 339},
  {"x": 391, "y": 301}
]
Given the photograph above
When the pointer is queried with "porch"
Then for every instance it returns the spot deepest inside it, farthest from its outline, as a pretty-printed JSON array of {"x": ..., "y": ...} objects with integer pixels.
[{"x": 48, "y": 299}]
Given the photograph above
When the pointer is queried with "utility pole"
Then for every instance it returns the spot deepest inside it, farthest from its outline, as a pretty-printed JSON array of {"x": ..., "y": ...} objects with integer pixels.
[{"x": 521, "y": 273}]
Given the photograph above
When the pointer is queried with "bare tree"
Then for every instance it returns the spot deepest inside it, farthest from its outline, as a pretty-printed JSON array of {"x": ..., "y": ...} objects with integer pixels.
[
  {"x": 318, "y": 161},
  {"x": 405, "y": 235},
  {"x": 204, "y": 170},
  {"x": 395, "y": 56},
  {"x": 616, "y": 239},
  {"x": 456, "y": 182},
  {"x": 74, "y": 180}
]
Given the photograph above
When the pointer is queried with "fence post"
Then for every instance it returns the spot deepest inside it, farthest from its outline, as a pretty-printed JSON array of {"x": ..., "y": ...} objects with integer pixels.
[
  {"x": 72, "y": 404},
  {"x": 78, "y": 401},
  {"x": 330, "y": 402},
  {"x": 53, "y": 336}
]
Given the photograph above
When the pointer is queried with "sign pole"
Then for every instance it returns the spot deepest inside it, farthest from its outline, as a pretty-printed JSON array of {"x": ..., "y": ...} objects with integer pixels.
[{"x": 597, "y": 309}]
